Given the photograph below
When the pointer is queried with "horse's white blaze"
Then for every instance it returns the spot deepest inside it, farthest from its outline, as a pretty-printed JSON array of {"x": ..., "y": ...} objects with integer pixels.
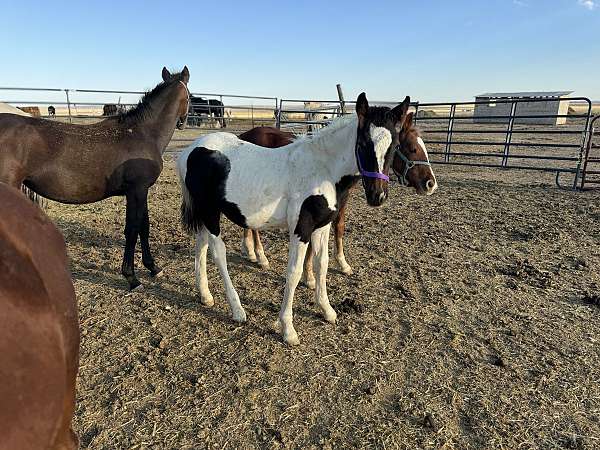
[
  {"x": 422, "y": 144},
  {"x": 382, "y": 139}
]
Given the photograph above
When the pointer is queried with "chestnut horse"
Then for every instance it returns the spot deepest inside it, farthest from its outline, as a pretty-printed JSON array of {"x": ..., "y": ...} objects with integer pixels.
[
  {"x": 415, "y": 174},
  {"x": 118, "y": 156},
  {"x": 39, "y": 330}
]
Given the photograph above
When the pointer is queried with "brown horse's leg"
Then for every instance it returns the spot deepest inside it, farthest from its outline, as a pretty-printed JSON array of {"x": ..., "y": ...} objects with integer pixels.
[
  {"x": 133, "y": 222},
  {"x": 263, "y": 262},
  {"x": 309, "y": 276},
  {"x": 147, "y": 258},
  {"x": 248, "y": 245},
  {"x": 339, "y": 226}
]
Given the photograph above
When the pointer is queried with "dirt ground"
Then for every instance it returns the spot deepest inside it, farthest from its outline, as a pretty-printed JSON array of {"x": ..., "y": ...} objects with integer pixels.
[{"x": 472, "y": 321}]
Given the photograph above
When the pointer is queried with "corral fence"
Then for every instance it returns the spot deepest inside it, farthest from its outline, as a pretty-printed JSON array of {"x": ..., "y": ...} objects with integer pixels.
[
  {"x": 239, "y": 112},
  {"x": 514, "y": 137},
  {"x": 565, "y": 143}
]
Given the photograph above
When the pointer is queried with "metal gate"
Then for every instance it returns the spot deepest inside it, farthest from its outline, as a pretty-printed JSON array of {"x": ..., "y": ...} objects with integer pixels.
[
  {"x": 513, "y": 140},
  {"x": 591, "y": 164}
]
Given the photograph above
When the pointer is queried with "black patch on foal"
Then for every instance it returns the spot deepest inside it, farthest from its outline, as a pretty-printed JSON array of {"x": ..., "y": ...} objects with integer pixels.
[
  {"x": 314, "y": 213},
  {"x": 342, "y": 188},
  {"x": 205, "y": 180}
]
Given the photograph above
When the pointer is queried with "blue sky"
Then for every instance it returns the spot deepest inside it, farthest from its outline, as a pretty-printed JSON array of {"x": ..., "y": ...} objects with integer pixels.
[{"x": 431, "y": 50}]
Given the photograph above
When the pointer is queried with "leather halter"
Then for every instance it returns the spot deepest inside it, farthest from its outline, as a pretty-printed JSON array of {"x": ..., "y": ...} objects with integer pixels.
[{"x": 408, "y": 164}]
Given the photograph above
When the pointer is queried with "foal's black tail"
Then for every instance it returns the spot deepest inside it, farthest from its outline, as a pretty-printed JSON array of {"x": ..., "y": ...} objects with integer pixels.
[{"x": 190, "y": 219}]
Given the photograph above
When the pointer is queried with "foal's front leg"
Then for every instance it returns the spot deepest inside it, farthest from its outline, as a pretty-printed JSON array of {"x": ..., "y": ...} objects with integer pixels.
[
  {"x": 147, "y": 258},
  {"x": 297, "y": 252},
  {"x": 263, "y": 262},
  {"x": 134, "y": 214},
  {"x": 247, "y": 245},
  {"x": 319, "y": 241}
]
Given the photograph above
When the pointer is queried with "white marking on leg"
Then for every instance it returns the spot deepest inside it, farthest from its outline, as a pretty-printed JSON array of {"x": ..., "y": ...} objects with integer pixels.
[
  {"x": 297, "y": 252},
  {"x": 200, "y": 268},
  {"x": 338, "y": 249},
  {"x": 248, "y": 245},
  {"x": 219, "y": 253},
  {"x": 319, "y": 240},
  {"x": 263, "y": 262},
  {"x": 382, "y": 139}
]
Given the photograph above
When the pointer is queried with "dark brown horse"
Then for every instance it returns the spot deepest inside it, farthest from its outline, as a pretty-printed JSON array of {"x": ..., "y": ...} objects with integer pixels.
[
  {"x": 86, "y": 163},
  {"x": 419, "y": 176},
  {"x": 39, "y": 330}
]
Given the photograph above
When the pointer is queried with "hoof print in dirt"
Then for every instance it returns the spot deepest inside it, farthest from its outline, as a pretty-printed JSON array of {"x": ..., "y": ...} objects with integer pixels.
[
  {"x": 429, "y": 422},
  {"x": 350, "y": 305},
  {"x": 497, "y": 361},
  {"x": 524, "y": 270}
]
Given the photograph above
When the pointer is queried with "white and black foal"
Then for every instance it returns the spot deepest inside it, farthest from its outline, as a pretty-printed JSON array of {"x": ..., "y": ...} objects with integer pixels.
[{"x": 296, "y": 186}]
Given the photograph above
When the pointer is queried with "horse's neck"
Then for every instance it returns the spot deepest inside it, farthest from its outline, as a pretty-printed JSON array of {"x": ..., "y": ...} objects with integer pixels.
[
  {"x": 334, "y": 147},
  {"x": 163, "y": 118}
]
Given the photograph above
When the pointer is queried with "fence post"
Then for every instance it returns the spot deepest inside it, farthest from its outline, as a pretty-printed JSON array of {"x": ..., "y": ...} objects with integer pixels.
[
  {"x": 449, "y": 133},
  {"x": 69, "y": 105},
  {"x": 586, "y": 136},
  {"x": 278, "y": 114},
  {"x": 509, "y": 130},
  {"x": 341, "y": 97}
]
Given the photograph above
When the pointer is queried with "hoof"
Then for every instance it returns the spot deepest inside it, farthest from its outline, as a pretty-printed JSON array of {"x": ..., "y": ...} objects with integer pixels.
[
  {"x": 135, "y": 287},
  {"x": 346, "y": 269},
  {"x": 330, "y": 315},
  {"x": 207, "y": 300},
  {"x": 239, "y": 316},
  {"x": 311, "y": 284},
  {"x": 291, "y": 339},
  {"x": 252, "y": 258},
  {"x": 157, "y": 272},
  {"x": 264, "y": 264}
]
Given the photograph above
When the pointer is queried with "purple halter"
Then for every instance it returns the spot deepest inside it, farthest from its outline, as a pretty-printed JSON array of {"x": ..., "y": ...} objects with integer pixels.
[{"x": 366, "y": 173}]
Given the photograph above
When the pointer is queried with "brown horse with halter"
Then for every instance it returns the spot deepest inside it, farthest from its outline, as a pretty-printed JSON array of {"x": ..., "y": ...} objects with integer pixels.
[
  {"x": 39, "y": 330},
  {"x": 410, "y": 164},
  {"x": 118, "y": 156}
]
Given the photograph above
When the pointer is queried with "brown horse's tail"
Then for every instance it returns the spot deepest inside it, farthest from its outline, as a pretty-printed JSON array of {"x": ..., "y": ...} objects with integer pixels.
[{"x": 33, "y": 196}]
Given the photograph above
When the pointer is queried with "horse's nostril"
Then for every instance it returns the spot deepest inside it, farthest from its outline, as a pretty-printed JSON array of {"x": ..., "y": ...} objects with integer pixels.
[{"x": 431, "y": 185}]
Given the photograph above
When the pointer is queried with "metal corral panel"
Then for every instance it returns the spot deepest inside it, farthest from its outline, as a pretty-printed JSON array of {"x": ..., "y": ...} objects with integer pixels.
[{"x": 498, "y": 104}]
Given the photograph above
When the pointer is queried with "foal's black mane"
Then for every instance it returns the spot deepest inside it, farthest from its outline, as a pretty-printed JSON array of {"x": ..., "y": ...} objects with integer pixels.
[{"x": 143, "y": 109}]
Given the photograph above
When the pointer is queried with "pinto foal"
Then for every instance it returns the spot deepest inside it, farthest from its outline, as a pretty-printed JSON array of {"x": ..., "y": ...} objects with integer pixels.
[
  {"x": 39, "y": 330},
  {"x": 410, "y": 164},
  {"x": 297, "y": 187}
]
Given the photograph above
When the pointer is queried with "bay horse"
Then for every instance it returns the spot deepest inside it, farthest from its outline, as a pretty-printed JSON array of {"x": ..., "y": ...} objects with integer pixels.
[
  {"x": 416, "y": 174},
  {"x": 39, "y": 330},
  {"x": 118, "y": 156},
  {"x": 297, "y": 187}
]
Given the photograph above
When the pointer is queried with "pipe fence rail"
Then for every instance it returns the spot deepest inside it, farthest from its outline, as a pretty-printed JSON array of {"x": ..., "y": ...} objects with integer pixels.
[{"x": 521, "y": 135}]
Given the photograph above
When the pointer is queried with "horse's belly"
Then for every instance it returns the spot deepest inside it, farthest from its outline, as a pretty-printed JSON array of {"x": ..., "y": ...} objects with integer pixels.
[{"x": 272, "y": 215}]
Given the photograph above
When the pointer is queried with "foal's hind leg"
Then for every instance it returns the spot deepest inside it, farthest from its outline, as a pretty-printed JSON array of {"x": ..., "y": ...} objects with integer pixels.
[
  {"x": 339, "y": 225},
  {"x": 133, "y": 222},
  {"x": 147, "y": 258},
  {"x": 200, "y": 268},
  {"x": 263, "y": 262},
  {"x": 247, "y": 245},
  {"x": 217, "y": 247}
]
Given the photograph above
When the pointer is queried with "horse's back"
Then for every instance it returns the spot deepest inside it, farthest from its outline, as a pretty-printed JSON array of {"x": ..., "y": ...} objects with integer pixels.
[
  {"x": 267, "y": 137},
  {"x": 39, "y": 331}
]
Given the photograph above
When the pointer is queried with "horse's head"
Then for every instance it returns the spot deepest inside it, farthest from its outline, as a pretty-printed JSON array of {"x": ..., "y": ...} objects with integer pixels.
[
  {"x": 180, "y": 80},
  {"x": 411, "y": 161},
  {"x": 377, "y": 136}
]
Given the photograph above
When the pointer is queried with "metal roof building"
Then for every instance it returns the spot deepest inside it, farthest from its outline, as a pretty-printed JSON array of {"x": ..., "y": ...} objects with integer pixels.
[{"x": 544, "y": 103}]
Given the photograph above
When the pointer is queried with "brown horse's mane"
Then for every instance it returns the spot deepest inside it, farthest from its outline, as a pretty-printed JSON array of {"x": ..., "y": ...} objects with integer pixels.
[{"x": 143, "y": 109}]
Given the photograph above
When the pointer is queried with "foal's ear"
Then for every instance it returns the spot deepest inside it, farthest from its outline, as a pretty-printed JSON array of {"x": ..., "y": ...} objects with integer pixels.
[
  {"x": 362, "y": 108},
  {"x": 165, "y": 74},
  {"x": 185, "y": 75},
  {"x": 407, "y": 122},
  {"x": 400, "y": 110}
]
